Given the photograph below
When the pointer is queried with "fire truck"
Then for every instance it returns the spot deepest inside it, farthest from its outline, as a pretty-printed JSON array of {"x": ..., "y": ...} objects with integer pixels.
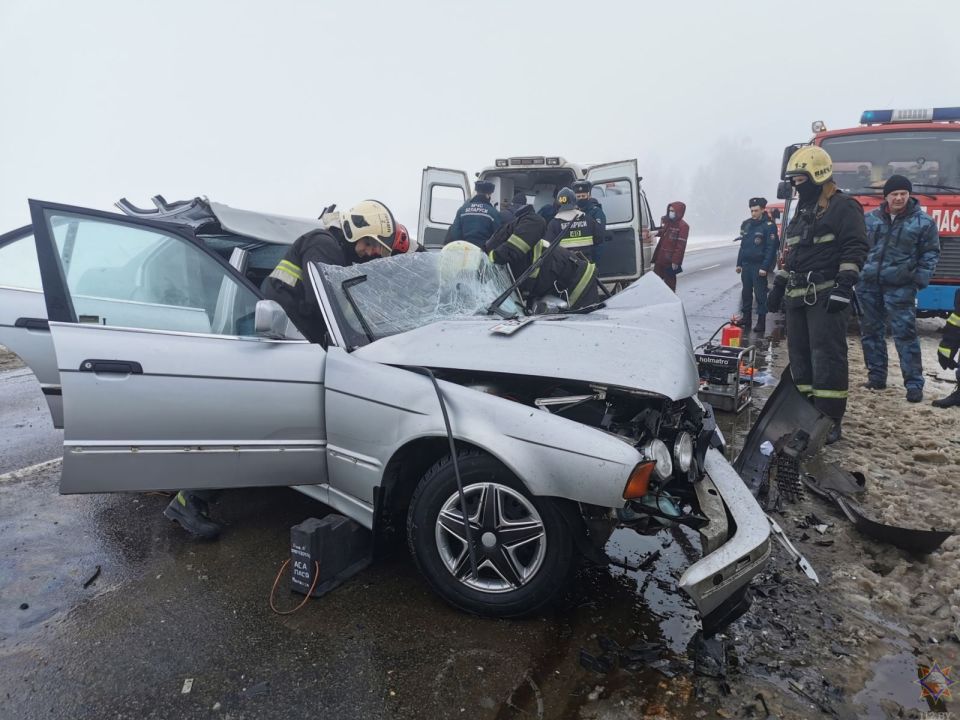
[
  {"x": 923, "y": 145},
  {"x": 626, "y": 254}
]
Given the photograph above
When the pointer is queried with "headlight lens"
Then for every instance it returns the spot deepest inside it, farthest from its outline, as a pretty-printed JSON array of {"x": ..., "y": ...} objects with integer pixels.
[
  {"x": 658, "y": 451},
  {"x": 683, "y": 451}
]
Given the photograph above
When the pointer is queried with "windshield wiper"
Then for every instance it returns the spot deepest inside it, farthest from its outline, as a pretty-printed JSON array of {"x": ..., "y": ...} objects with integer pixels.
[
  {"x": 345, "y": 286},
  {"x": 494, "y": 307}
]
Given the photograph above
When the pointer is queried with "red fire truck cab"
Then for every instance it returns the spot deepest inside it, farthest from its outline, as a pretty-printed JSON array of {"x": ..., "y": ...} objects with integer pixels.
[{"x": 923, "y": 145}]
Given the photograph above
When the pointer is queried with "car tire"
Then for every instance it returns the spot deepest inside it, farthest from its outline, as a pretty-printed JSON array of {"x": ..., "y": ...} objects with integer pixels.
[{"x": 525, "y": 549}]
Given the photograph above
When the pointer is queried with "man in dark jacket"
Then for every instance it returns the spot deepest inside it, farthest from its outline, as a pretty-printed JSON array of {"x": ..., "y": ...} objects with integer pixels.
[
  {"x": 825, "y": 247},
  {"x": 758, "y": 253},
  {"x": 573, "y": 228},
  {"x": 519, "y": 244},
  {"x": 592, "y": 207},
  {"x": 477, "y": 219},
  {"x": 673, "y": 234},
  {"x": 904, "y": 250},
  {"x": 948, "y": 353}
]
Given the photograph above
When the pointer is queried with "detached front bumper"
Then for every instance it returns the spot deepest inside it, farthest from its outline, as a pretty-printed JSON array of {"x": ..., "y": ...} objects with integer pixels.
[{"x": 736, "y": 545}]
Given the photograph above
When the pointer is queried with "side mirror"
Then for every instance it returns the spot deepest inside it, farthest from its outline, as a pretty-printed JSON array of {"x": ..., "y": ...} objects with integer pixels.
[
  {"x": 784, "y": 190},
  {"x": 788, "y": 152},
  {"x": 270, "y": 321}
]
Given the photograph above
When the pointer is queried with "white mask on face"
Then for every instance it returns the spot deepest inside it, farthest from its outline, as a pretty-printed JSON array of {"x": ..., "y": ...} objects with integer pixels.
[{"x": 671, "y": 214}]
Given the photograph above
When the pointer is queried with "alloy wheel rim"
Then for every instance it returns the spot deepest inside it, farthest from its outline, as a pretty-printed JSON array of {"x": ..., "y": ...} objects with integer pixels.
[{"x": 508, "y": 535}]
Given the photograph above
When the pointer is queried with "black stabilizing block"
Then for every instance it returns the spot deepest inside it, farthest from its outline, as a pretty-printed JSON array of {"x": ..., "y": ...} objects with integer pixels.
[{"x": 338, "y": 544}]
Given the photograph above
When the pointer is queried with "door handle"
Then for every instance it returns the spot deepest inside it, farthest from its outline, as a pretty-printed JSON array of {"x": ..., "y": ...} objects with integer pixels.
[
  {"x": 32, "y": 323},
  {"x": 119, "y": 367}
]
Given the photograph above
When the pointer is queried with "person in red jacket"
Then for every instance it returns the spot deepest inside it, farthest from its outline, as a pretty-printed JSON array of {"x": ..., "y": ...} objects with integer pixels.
[{"x": 673, "y": 234}]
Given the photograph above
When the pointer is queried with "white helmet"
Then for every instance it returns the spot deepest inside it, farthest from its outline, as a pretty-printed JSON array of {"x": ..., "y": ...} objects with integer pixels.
[
  {"x": 370, "y": 219},
  {"x": 458, "y": 259}
]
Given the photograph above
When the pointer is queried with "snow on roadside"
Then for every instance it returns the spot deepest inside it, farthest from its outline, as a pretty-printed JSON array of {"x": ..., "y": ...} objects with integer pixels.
[
  {"x": 910, "y": 454},
  {"x": 8, "y": 361}
]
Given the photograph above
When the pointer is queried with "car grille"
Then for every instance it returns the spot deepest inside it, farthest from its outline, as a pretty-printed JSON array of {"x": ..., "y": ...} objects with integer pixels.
[{"x": 949, "y": 264}]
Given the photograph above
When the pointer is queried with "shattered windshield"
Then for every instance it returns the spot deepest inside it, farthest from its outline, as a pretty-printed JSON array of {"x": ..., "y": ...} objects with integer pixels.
[{"x": 405, "y": 292}]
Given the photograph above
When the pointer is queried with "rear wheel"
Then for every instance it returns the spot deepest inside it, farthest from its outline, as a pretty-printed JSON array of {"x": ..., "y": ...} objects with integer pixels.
[{"x": 523, "y": 548}]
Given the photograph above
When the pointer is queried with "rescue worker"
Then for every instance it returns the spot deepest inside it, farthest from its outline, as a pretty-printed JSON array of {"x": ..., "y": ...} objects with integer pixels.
[
  {"x": 825, "y": 247},
  {"x": 477, "y": 219},
  {"x": 904, "y": 250},
  {"x": 573, "y": 228},
  {"x": 755, "y": 260},
  {"x": 519, "y": 245},
  {"x": 948, "y": 354},
  {"x": 672, "y": 244},
  {"x": 592, "y": 207},
  {"x": 368, "y": 230}
]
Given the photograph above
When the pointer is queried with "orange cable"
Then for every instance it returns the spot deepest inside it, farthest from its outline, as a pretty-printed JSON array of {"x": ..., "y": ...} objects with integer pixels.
[{"x": 273, "y": 590}]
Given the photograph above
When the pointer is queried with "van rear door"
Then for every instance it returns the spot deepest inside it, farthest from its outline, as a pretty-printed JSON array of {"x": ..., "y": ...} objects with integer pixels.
[
  {"x": 616, "y": 187},
  {"x": 442, "y": 192}
]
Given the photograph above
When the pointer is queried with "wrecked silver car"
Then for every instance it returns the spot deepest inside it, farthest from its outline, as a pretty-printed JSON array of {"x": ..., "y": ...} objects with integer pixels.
[{"x": 176, "y": 373}]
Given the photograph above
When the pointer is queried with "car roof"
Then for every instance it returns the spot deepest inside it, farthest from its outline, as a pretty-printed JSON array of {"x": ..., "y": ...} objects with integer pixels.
[{"x": 205, "y": 216}]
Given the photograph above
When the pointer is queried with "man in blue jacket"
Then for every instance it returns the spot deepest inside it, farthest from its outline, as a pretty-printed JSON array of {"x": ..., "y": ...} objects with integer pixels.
[
  {"x": 904, "y": 250},
  {"x": 477, "y": 219},
  {"x": 755, "y": 261}
]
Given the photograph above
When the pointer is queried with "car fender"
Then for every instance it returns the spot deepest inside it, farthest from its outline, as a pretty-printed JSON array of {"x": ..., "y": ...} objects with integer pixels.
[{"x": 374, "y": 410}]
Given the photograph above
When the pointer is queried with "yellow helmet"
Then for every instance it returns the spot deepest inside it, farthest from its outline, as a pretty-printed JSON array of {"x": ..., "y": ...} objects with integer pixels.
[{"x": 812, "y": 161}]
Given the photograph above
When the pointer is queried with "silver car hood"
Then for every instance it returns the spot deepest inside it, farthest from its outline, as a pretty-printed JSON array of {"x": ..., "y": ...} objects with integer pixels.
[{"x": 640, "y": 341}]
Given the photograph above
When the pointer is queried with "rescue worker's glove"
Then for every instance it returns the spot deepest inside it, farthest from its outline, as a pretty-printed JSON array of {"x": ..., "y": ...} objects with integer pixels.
[
  {"x": 775, "y": 296},
  {"x": 841, "y": 296}
]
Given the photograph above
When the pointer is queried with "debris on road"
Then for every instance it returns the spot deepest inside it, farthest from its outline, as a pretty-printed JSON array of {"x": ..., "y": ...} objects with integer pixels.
[
  {"x": 92, "y": 577},
  {"x": 187, "y": 686}
]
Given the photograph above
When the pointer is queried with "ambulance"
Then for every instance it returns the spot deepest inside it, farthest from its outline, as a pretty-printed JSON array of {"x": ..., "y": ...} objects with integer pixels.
[
  {"x": 627, "y": 252},
  {"x": 921, "y": 144}
]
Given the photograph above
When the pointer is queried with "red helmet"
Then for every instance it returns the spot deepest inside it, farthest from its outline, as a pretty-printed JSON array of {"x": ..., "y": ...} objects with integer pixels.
[{"x": 401, "y": 241}]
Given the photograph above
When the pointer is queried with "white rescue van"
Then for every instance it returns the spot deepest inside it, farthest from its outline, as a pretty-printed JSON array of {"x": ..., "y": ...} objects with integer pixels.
[{"x": 623, "y": 258}]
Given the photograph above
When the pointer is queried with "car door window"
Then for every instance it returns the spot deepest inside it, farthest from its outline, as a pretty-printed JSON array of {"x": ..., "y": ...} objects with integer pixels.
[
  {"x": 128, "y": 276},
  {"x": 18, "y": 265}
]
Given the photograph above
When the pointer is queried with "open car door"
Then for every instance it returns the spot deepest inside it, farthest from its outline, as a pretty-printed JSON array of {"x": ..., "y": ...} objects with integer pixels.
[
  {"x": 165, "y": 384},
  {"x": 616, "y": 186},
  {"x": 442, "y": 192},
  {"x": 23, "y": 315}
]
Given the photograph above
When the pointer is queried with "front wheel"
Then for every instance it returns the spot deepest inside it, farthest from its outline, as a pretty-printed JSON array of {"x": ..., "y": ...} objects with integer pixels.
[{"x": 524, "y": 550}]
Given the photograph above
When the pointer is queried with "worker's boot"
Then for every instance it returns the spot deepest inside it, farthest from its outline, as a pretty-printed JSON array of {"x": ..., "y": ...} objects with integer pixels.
[
  {"x": 761, "y": 326},
  {"x": 745, "y": 320},
  {"x": 951, "y": 400},
  {"x": 835, "y": 433},
  {"x": 191, "y": 512}
]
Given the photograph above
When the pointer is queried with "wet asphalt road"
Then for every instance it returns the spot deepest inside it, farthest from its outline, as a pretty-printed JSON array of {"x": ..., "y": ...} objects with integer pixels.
[{"x": 164, "y": 609}]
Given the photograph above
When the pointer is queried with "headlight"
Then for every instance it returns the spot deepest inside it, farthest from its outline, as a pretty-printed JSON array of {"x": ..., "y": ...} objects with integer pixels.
[
  {"x": 683, "y": 451},
  {"x": 658, "y": 451}
]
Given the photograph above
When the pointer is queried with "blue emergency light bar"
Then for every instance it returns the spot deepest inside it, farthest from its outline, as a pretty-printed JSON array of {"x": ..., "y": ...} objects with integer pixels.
[{"x": 879, "y": 117}]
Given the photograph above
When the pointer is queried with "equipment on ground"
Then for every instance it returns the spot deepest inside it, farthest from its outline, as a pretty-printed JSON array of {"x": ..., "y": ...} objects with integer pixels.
[
  {"x": 326, "y": 552},
  {"x": 726, "y": 370}
]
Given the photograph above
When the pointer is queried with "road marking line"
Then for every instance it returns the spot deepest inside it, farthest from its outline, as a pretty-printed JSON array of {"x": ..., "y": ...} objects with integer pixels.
[{"x": 22, "y": 472}]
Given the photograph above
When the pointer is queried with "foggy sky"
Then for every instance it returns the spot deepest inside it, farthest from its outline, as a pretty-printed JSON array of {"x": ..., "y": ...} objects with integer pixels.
[{"x": 288, "y": 106}]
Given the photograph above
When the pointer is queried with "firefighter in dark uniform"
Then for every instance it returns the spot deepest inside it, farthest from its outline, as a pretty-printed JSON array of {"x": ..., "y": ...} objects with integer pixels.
[
  {"x": 825, "y": 247},
  {"x": 519, "y": 245},
  {"x": 948, "y": 353},
  {"x": 368, "y": 230},
  {"x": 477, "y": 219},
  {"x": 572, "y": 227}
]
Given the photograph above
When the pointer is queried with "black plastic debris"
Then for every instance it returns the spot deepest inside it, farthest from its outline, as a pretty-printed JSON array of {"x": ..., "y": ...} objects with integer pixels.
[
  {"x": 601, "y": 664},
  {"x": 910, "y": 539}
]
